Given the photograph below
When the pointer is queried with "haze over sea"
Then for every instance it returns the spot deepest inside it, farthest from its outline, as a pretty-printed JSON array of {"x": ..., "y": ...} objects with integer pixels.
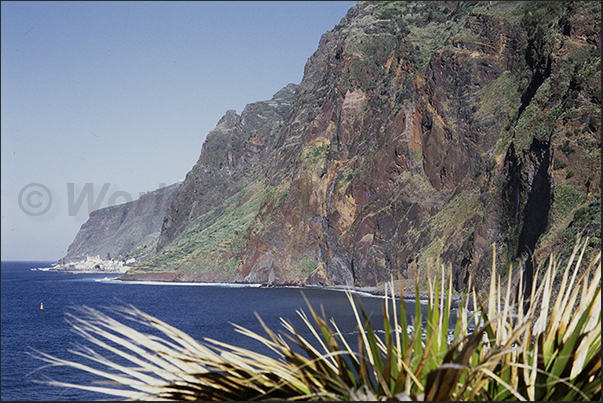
[{"x": 202, "y": 311}]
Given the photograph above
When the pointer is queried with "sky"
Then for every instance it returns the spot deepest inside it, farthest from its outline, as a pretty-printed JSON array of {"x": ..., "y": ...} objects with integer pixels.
[{"x": 114, "y": 99}]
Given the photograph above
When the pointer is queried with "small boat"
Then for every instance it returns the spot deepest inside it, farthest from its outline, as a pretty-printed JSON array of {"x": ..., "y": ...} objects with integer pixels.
[{"x": 42, "y": 305}]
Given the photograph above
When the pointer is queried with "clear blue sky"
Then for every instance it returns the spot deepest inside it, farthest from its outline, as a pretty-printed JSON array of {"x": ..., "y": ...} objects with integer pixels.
[{"x": 125, "y": 93}]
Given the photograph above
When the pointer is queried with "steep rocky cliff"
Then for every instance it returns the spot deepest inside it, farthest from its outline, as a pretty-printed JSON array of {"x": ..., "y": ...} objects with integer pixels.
[
  {"x": 422, "y": 133},
  {"x": 125, "y": 230},
  {"x": 228, "y": 157}
]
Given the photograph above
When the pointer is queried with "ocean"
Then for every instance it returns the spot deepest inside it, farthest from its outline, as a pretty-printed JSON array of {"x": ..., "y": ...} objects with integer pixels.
[{"x": 202, "y": 311}]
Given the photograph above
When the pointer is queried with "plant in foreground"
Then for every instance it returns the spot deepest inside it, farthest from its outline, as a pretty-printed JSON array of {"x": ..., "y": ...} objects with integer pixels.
[{"x": 549, "y": 349}]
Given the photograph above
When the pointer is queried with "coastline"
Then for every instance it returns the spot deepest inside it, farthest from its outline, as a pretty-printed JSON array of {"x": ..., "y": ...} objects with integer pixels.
[{"x": 368, "y": 291}]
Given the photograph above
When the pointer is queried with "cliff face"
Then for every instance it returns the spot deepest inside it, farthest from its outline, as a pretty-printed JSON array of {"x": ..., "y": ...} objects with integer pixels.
[
  {"x": 422, "y": 132},
  {"x": 127, "y": 230},
  {"x": 204, "y": 229},
  {"x": 228, "y": 159}
]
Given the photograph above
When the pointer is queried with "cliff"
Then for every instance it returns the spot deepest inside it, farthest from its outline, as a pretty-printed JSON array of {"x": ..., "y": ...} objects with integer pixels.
[
  {"x": 422, "y": 133},
  {"x": 127, "y": 230}
]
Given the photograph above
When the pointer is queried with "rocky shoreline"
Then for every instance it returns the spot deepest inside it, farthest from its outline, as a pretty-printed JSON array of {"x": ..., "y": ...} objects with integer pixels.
[
  {"x": 99, "y": 266},
  {"x": 379, "y": 291},
  {"x": 376, "y": 291}
]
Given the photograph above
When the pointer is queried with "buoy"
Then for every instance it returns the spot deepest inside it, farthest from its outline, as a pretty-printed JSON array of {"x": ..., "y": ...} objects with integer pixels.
[{"x": 42, "y": 306}]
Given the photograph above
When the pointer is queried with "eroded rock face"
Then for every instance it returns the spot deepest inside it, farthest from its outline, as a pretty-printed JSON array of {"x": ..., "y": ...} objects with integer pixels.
[
  {"x": 422, "y": 133},
  {"x": 408, "y": 152}
]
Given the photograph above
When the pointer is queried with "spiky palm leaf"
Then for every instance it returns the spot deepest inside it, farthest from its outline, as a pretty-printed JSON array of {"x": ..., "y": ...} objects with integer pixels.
[{"x": 512, "y": 352}]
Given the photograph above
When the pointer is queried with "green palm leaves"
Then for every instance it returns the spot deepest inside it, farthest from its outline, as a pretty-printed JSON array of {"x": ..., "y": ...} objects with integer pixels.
[{"x": 500, "y": 349}]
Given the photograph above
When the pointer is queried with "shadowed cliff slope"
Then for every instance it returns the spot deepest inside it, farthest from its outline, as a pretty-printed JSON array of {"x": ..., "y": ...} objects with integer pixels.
[
  {"x": 421, "y": 133},
  {"x": 125, "y": 230}
]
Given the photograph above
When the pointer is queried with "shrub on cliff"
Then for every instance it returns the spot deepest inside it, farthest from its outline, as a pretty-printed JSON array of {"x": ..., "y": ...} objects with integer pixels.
[{"x": 549, "y": 349}]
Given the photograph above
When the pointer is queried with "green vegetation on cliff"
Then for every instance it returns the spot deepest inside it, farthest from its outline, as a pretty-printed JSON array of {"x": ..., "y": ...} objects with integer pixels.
[
  {"x": 213, "y": 242},
  {"x": 421, "y": 131}
]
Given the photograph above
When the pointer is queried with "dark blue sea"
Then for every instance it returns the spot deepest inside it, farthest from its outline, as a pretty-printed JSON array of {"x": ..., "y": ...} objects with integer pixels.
[{"x": 202, "y": 311}]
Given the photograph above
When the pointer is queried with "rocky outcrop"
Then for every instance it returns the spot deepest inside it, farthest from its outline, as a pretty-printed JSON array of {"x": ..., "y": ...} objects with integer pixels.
[
  {"x": 127, "y": 230},
  {"x": 422, "y": 133}
]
